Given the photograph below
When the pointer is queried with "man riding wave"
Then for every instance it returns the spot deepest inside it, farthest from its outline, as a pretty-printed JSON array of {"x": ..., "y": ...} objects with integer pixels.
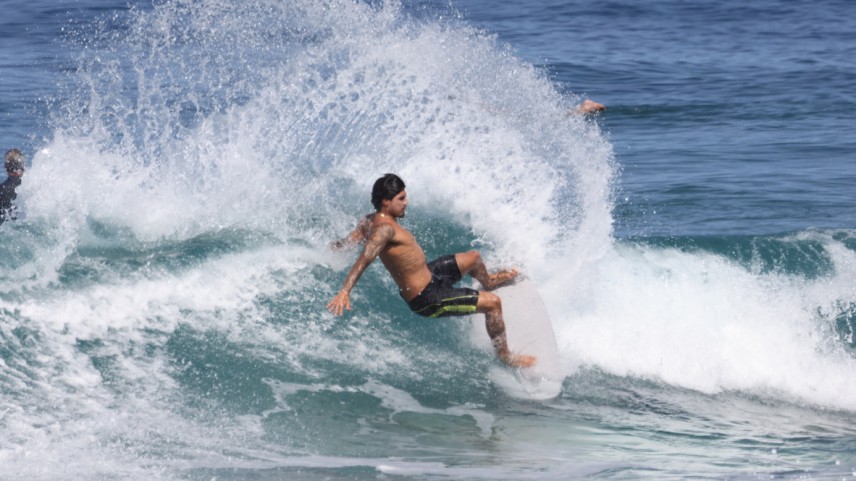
[{"x": 427, "y": 287}]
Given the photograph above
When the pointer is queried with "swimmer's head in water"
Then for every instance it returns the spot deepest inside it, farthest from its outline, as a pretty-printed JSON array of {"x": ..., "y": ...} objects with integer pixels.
[{"x": 14, "y": 161}]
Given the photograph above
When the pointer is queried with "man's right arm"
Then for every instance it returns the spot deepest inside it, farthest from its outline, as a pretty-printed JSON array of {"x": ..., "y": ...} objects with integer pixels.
[{"x": 377, "y": 241}]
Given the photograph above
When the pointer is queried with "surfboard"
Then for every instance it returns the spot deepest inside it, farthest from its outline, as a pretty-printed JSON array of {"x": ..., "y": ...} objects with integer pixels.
[{"x": 528, "y": 330}]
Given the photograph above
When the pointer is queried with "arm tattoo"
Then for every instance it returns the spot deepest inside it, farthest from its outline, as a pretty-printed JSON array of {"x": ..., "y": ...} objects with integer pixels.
[
  {"x": 357, "y": 236},
  {"x": 378, "y": 239}
]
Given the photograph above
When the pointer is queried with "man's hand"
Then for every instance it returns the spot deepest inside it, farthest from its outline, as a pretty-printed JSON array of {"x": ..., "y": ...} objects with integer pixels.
[
  {"x": 339, "y": 244},
  {"x": 339, "y": 303}
]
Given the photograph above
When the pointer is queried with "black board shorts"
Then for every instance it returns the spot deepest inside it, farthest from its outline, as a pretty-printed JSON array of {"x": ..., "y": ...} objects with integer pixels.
[{"x": 441, "y": 298}]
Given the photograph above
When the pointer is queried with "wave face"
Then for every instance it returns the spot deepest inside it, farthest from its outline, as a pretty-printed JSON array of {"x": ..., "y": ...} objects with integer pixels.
[
  {"x": 162, "y": 312},
  {"x": 772, "y": 315}
]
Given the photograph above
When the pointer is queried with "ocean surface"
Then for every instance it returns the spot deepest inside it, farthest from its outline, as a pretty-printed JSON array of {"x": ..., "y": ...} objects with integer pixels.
[{"x": 162, "y": 297}]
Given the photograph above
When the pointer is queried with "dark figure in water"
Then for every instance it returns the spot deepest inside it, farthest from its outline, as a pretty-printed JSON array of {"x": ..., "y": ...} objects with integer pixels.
[{"x": 14, "y": 163}]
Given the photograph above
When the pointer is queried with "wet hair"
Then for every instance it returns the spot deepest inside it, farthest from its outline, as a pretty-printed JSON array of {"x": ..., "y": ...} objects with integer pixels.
[
  {"x": 14, "y": 160},
  {"x": 386, "y": 188}
]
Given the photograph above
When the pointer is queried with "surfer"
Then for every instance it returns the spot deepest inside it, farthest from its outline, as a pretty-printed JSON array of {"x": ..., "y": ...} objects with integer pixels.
[
  {"x": 14, "y": 163},
  {"x": 427, "y": 287},
  {"x": 589, "y": 106}
]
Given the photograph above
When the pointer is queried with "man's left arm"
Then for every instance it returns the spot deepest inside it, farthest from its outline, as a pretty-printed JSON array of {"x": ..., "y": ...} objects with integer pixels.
[{"x": 355, "y": 237}]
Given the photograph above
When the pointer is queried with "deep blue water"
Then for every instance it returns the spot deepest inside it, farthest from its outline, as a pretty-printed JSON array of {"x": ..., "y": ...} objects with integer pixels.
[
  {"x": 725, "y": 117},
  {"x": 161, "y": 310}
]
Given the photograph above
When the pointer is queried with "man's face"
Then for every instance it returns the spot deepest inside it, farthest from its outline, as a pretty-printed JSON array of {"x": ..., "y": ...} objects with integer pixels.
[{"x": 398, "y": 204}]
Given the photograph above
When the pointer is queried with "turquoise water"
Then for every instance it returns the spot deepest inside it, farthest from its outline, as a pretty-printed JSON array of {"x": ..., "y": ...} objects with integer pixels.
[{"x": 162, "y": 310}]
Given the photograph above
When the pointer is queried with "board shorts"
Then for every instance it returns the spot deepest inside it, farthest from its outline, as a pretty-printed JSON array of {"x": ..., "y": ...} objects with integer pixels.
[{"x": 441, "y": 298}]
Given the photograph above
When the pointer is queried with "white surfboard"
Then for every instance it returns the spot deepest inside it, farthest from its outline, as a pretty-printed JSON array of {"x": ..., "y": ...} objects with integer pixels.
[{"x": 529, "y": 331}]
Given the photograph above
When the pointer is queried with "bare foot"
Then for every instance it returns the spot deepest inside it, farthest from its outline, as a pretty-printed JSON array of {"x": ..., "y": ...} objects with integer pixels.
[
  {"x": 499, "y": 278},
  {"x": 520, "y": 360}
]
